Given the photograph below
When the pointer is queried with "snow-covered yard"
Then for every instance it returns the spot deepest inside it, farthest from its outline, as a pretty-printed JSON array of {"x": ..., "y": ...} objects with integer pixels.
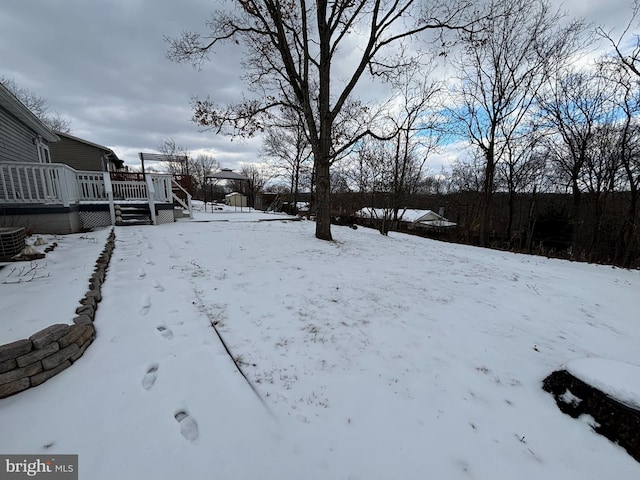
[{"x": 374, "y": 357}]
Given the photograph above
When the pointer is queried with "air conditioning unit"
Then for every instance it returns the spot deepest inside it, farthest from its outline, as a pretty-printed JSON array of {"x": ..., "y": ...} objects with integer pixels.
[{"x": 11, "y": 241}]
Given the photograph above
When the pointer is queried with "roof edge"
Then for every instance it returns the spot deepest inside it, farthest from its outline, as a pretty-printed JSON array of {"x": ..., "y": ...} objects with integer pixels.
[
  {"x": 26, "y": 116},
  {"x": 87, "y": 142}
]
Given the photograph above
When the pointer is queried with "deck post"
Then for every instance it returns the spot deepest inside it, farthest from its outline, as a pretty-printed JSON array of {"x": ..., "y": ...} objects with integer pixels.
[
  {"x": 59, "y": 177},
  {"x": 108, "y": 190},
  {"x": 151, "y": 193}
]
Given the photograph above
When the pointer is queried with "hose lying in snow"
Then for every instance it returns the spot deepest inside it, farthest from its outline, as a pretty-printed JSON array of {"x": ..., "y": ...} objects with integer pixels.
[{"x": 235, "y": 362}]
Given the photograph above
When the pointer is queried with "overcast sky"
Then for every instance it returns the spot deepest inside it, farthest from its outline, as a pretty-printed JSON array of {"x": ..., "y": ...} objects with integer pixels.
[{"x": 102, "y": 65}]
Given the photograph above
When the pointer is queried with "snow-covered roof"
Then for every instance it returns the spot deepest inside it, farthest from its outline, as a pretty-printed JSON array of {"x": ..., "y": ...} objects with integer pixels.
[
  {"x": 227, "y": 174},
  {"x": 424, "y": 217},
  {"x": 437, "y": 223},
  {"x": 413, "y": 215}
]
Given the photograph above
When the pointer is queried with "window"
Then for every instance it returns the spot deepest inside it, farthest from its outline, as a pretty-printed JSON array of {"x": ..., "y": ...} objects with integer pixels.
[{"x": 43, "y": 152}]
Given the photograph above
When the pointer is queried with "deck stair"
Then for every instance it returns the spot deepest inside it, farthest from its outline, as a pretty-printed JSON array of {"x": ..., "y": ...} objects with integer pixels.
[{"x": 132, "y": 214}]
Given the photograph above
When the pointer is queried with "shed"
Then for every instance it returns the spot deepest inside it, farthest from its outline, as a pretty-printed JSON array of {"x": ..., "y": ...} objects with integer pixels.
[{"x": 235, "y": 199}]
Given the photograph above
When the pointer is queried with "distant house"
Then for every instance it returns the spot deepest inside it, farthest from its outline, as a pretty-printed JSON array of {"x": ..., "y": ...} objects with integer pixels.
[
  {"x": 425, "y": 219},
  {"x": 410, "y": 219},
  {"x": 84, "y": 155},
  {"x": 43, "y": 190}
]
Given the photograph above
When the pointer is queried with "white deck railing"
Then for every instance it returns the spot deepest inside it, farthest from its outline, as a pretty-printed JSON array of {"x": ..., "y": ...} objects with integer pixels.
[
  {"x": 162, "y": 187},
  {"x": 188, "y": 205},
  {"x": 24, "y": 182},
  {"x": 91, "y": 186},
  {"x": 129, "y": 190},
  {"x": 59, "y": 184}
]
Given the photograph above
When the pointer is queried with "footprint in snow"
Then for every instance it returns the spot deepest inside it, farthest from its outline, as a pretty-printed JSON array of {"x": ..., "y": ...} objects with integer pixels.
[
  {"x": 141, "y": 274},
  {"x": 148, "y": 261},
  {"x": 139, "y": 252},
  {"x": 145, "y": 305},
  {"x": 165, "y": 332},
  {"x": 150, "y": 377},
  {"x": 157, "y": 285},
  {"x": 188, "y": 426}
]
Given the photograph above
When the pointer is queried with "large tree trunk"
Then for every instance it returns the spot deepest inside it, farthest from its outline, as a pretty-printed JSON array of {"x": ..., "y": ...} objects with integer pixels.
[
  {"x": 626, "y": 245},
  {"x": 322, "y": 149},
  {"x": 511, "y": 204},
  {"x": 576, "y": 254},
  {"x": 487, "y": 199},
  {"x": 323, "y": 200},
  {"x": 531, "y": 220},
  {"x": 296, "y": 184}
]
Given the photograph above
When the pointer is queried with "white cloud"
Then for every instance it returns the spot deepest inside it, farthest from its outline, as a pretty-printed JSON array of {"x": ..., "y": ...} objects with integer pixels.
[{"x": 102, "y": 64}]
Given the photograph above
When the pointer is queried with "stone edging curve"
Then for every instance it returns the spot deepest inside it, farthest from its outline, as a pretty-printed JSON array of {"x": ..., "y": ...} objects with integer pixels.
[{"x": 30, "y": 362}]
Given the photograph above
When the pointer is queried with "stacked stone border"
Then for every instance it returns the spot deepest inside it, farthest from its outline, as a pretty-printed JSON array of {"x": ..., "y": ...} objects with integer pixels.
[
  {"x": 30, "y": 362},
  {"x": 616, "y": 421}
]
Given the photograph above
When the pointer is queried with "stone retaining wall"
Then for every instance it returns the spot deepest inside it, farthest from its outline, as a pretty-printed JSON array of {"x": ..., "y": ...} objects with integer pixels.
[
  {"x": 616, "y": 421},
  {"x": 28, "y": 363}
]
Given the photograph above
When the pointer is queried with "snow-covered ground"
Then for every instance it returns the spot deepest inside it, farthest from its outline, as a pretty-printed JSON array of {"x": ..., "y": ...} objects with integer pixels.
[
  {"x": 36, "y": 294},
  {"x": 373, "y": 358}
]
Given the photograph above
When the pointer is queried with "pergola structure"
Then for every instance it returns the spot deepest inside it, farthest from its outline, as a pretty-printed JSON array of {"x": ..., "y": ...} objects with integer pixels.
[
  {"x": 183, "y": 179},
  {"x": 226, "y": 174},
  {"x": 161, "y": 157}
]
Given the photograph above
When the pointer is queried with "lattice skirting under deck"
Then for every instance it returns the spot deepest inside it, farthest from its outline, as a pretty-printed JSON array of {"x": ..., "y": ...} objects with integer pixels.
[
  {"x": 95, "y": 219},
  {"x": 164, "y": 216}
]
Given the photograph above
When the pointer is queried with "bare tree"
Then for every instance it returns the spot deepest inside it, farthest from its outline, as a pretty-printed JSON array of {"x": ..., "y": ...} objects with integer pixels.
[
  {"x": 362, "y": 170},
  {"x": 413, "y": 120},
  {"x": 522, "y": 168},
  {"x": 292, "y": 50},
  {"x": 465, "y": 175},
  {"x": 501, "y": 70},
  {"x": 630, "y": 58},
  {"x": 575, "y": 105},
  {"x": 257, "y": 178},
  {"x": 200, "y": 168},
  {"x": 370, "y": 174},
  {"x": 620, "y": 151},
  {"x": 175, "y": 157},
  {"x": 623, "y": 67},
  {"x": 287, "y": 150},
  {"x": 38, "y": 105}
]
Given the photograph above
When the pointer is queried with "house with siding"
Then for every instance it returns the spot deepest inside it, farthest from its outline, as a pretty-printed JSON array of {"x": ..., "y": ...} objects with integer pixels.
[
  {"x": 408, "y": 218},
  {"x": 84, "y": 155},
  {"x": 49, "y": 193},
  {"x": 23, "y": 137}
]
